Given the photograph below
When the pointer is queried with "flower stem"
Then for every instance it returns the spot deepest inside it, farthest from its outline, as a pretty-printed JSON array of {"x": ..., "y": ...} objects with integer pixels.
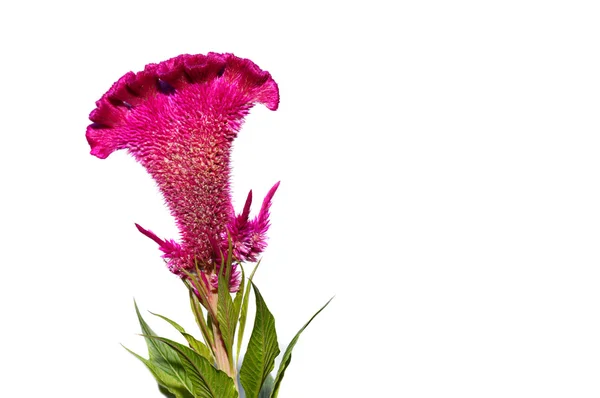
[
  {"x": 222, "y": 357},
  {"x": 221, "y": 352}
]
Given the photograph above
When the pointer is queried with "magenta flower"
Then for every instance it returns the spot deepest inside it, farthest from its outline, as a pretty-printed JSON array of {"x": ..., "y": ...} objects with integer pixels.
[{"x": 179, "y": 118}]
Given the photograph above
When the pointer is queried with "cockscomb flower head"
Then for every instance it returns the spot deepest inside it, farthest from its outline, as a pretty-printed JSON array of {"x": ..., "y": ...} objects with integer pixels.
[{"x": 179, "y": 118}]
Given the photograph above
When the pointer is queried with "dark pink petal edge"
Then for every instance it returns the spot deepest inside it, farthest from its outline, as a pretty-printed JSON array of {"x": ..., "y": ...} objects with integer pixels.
[{"x": 174, "y": 74}]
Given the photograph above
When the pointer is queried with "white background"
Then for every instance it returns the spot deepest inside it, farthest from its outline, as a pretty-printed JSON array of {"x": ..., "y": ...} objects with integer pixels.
[{"x": 440, "y": 175}]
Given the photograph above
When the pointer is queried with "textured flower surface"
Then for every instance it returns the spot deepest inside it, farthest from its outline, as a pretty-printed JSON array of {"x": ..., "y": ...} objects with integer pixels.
[{"x": 179, "y": 118}]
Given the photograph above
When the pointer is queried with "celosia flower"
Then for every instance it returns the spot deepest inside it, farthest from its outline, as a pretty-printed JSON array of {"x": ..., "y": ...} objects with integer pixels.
[{"x": 179, "y": 118}]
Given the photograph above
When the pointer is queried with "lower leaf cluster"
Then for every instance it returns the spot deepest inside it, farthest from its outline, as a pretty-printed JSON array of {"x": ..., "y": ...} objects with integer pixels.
[{"x": 206, "y": 369}]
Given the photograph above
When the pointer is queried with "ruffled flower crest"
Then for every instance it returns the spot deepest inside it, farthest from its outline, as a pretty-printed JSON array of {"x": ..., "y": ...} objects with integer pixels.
[{"x": 179, "y": 118}]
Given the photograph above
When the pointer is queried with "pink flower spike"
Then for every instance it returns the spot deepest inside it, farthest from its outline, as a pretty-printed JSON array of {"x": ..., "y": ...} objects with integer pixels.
[
  {"x": 239, "y": 232},
  {"x": 170, "y": 248},
  {"x": 235, "y": 278},
  {"x": 249, "y": 238},
  {"x": 262, "y": 220},
  {"x": 242, "y": 219},
  {"x": 179, "y": 118},
  {"x": 150, "y": 235},
  {"x": 260, "y": 226}
]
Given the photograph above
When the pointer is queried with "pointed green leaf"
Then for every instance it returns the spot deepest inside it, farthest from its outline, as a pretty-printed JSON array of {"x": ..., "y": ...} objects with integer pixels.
[
  {"x": 263, "y": 348},
  {"x": 162, "y": 356},
  {"x": 244, "y": 310},
  {"x": 172, "y": 323},
  {"x": 237, "y": 307},
  {"x": 267, "y": 387},
  {"x": 239, "y": 295},
  {"x": 206, "y": 380},
  {"x": 287, "y": 355},
  {"x": 204, "y": 328},
  {"x": 229, "y": 260},
  {"x": 196, "y": 345},
  {"x": 199, "y": 347},
  {"x": 209, "y": 323},
  {"x": 164, "y": 379},
  {"x": 164, "y": 391},
  {"x": 226, "y": 315}
]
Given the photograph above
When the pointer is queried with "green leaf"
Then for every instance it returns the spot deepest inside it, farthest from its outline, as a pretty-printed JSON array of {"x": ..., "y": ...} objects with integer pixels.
[
  {"x": 226, "y": 315},
  {"x": 163, "y": 361},
  {"x": 209, "y": 323},
  {"x": 199, "y": 347},
  {"x": 204, "y": 328},
  {"x": 267, "y": 387},
  {"x": 229, "y": 260},
  {"x": 164, "y": 391},
  {"x": 206, "y": 380},
  {"x": 166, "y": 383},
  {"x": 173, "y": 323},
  {"x": 196, "y": 345},
  {"x": 263, "y": 348},
  {"x": 237, "y": 307},
  {"x": 244, "y": 311},
  {"x": 287, "y": 355}
]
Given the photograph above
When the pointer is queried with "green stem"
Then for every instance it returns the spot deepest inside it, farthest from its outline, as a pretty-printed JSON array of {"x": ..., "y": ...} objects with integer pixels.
[
  {"x": 222, "y": 357},
  {"x": 210, "y": 300}
]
